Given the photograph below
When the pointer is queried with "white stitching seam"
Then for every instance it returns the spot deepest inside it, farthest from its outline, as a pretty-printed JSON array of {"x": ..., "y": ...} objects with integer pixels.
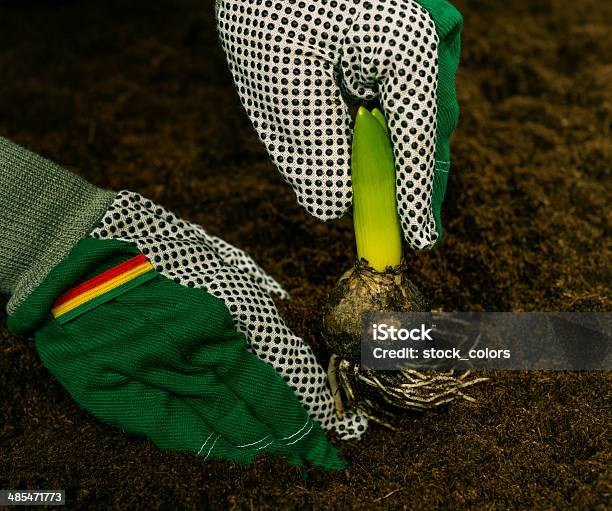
[
  {"x": 253, "y": 443},
  {"x": 264, "y": 446},
  {"x": 212, "y": 446},
  {"x": 261, "y": 440},
  {"x": 297, "y": 432},
  {"x": 309, "y": 430},
  {"x": 204, "y": 443}
]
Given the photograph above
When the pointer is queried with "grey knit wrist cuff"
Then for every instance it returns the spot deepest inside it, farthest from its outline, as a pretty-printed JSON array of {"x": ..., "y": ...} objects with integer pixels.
[{"x": 44, "y": 211}]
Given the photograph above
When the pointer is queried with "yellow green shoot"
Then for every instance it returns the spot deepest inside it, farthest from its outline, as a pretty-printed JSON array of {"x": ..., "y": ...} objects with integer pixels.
[{"x": 377, "y": 228}]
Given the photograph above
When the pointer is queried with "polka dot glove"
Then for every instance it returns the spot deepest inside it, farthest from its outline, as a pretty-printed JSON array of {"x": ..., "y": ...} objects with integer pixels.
[
  {"x": 186, "y": 253},
  {"x": 296, "y": 64}
]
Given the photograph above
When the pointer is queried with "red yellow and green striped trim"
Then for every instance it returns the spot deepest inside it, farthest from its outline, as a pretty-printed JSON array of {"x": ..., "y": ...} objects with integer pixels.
[{"x": 102, "y": 288}]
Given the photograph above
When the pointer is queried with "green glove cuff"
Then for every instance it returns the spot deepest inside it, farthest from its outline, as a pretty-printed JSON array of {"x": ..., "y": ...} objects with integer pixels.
[
  {"x": 166, "y": 361},
  {"x": 44, "y": 211},
  {"x": 448, "y": 21}
]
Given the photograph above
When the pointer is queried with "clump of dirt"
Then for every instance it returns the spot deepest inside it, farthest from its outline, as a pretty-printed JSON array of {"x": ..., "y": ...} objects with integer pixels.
[{"x": 137, "y": 95}]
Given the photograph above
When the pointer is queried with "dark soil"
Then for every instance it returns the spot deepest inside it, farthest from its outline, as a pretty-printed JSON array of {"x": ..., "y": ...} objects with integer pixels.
[{"x": 137, "y": 95}]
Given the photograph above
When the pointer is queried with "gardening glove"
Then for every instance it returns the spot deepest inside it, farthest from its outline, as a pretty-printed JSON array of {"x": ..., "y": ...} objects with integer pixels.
[
  {"x": 296, "y": 64},
  {"x": 185, "y": 253},
  {"x": 136, "y": 348}
]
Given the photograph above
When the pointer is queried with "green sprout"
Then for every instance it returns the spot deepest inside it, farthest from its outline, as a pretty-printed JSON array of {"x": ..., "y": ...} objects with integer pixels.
[
  {"x": 375, "y": 219},
  {"x": 380, "y": 283}
]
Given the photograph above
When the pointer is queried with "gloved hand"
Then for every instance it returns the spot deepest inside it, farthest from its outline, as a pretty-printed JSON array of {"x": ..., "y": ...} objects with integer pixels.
[
  {"x": 154, "y": 325},
  {"x": 155, "y": 358},
  {"x": 295, "y": 63},
  {"x": 186, "y": 253}
]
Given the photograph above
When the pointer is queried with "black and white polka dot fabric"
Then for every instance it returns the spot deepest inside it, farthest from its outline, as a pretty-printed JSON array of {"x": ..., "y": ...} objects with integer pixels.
[
  {"x": 296, "y": 62},
  {"x": 185, "y": 252}
]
